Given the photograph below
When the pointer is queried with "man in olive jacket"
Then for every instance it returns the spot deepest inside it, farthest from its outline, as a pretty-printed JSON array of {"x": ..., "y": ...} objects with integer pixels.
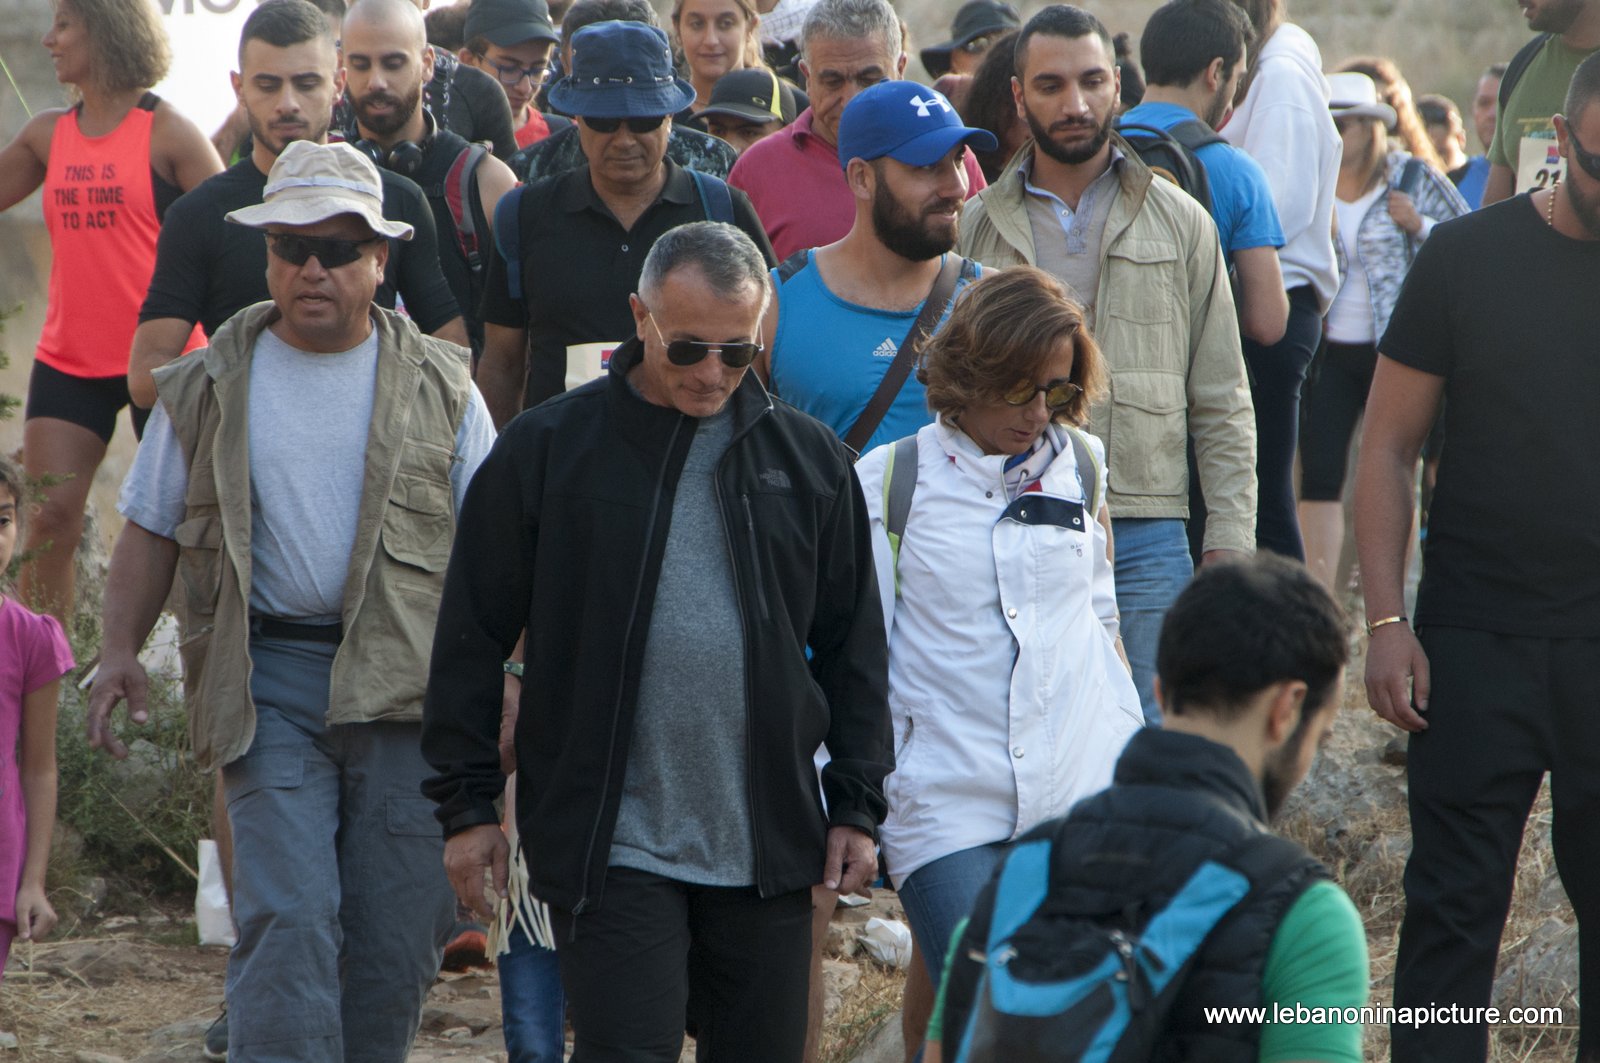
[
  {"x": 672, "y": 542},
  {"x": 1143, "y": 258}
]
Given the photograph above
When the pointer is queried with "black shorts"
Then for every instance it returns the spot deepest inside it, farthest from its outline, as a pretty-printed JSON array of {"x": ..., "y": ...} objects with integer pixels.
[{"x": 91, "y": 402}]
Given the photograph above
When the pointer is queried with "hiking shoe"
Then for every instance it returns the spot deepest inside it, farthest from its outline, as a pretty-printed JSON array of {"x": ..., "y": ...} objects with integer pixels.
[
  {"x": 468, "y": 948},
  {"x": 216, "y": 1042}
]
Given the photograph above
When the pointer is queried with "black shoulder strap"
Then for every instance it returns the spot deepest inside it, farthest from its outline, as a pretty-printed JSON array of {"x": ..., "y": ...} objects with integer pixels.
[
  {"x": 508, "y": 237},
  {"x": 944, "y": 286},
  {"x": 793, "y": 264},
  {"x": 1519, "y": 66},
  {"x": 1194, "y": 134},
  {"x": 149, "y": 102},
  {"x": 715, "y": 199}
]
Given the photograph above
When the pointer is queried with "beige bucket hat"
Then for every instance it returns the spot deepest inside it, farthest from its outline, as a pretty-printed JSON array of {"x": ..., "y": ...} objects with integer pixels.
[{"x": 310, "y": 183}]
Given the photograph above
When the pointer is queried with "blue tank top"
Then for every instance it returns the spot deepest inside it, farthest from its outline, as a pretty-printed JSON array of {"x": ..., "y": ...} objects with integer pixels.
[{"x": 829, "y": 355}]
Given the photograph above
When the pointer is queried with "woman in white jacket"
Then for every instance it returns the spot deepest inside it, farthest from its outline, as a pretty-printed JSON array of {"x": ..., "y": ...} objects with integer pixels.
[{"x": 1009, "y": 695}]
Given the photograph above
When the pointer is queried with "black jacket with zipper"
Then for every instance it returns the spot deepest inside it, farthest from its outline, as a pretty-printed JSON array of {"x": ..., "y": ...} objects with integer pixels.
[{"x": 562, "y": 533}]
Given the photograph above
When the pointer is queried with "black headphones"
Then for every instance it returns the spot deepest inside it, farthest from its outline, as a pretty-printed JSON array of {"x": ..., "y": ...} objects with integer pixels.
[{"x": 404, "y": 157}]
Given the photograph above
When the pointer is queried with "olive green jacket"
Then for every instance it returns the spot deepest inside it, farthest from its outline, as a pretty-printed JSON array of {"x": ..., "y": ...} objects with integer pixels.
[
  {"x": 403, "y": 533},
  {"x": 1165, "y": 320}
]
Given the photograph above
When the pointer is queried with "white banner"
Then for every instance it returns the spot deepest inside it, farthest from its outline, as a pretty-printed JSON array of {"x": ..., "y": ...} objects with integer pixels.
[{"x": 205, "y": 49}]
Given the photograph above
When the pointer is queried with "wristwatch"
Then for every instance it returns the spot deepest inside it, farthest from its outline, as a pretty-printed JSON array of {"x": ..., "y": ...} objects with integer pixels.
[{"x": 513, "y": 668}]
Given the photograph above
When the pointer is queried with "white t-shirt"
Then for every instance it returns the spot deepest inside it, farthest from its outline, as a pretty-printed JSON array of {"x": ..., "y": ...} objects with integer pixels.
[{"x": 1350, "y": 316}]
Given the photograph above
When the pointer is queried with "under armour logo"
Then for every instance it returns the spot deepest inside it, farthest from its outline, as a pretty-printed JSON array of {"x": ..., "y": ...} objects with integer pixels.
[{"x": 922, "y": 105}]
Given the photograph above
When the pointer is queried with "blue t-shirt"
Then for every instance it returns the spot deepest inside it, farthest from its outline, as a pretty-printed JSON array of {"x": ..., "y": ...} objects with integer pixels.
[
  {"x": 829, "y": 355},
  {"x": 1241, "y": 200},
  {"x": 1474, "y": 177}
]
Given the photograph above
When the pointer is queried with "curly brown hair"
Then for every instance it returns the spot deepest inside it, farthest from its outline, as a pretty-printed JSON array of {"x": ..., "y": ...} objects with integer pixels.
[
  {"x": 1002, "y": 330},
  {"x": 127, "y": 43}
]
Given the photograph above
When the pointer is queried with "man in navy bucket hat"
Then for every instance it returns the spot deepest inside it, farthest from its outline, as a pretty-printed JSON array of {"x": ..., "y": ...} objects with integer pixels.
[{"x": 569, "y": 247}]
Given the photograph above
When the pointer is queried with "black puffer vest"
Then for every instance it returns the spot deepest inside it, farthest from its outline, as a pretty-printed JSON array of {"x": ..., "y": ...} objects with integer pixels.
[{"x": 1176, "y": 801}]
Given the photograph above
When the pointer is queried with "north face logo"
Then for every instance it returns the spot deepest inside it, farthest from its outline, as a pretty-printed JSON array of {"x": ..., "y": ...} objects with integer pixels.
[
  {"x": 886, "y": 349},
  {"x": 776, "y": 478},
  {"x": 922, "y": 105}
]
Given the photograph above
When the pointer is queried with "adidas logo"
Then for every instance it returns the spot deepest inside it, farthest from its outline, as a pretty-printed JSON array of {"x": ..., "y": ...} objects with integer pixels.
[{"x": 887, "y": 349}]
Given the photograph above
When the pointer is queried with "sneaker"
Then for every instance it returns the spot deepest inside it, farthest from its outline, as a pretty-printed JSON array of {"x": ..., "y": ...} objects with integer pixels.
[
  {"x": 468, "y": 948},
  {"x": 216, "y": 1042}
]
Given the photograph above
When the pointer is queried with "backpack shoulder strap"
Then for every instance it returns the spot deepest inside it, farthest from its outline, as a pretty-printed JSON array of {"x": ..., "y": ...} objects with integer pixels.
[
  {"x": 897, "y": 494},
  {"x": 1089, "y": 468},
  {"x": 715, "y": 199},
  {"x": 466, "y": 206},
  {"x": 1022, "y": 886},
  {"x": 1519, "y": 66},
  {"x": 1194, "y": 134},
  {"x": 793, "y": 264},
  {"x": 148, "y": 102},
  {"x": 508, "y": 237}
]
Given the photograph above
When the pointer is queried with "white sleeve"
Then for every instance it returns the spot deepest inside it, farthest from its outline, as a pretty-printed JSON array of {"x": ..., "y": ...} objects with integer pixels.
[
  {"x": 869, "y": 473},
  {"x": 154, "y": 491},
  {"x": 1104, "y": 592},
  {"x": 473, "y": 440}
]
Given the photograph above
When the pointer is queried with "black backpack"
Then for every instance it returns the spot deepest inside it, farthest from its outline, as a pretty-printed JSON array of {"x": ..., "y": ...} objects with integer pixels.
[
  {"x": 1171, "y": 153},
  {"x": 1519, "y": 66}
]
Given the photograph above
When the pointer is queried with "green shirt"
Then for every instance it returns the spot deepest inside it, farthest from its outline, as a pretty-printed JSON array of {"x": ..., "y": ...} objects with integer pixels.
[
  {"x": 1318, "y": 959},
  {"x": 1538, "y": 94}
]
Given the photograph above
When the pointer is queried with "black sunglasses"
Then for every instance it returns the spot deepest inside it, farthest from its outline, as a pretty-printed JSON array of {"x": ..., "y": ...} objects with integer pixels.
[
  {"x": 635, "y": 125},
  {"x": 1058, "y": 394},
  {"x": 1589, "y": 160},
  {"x": 692, "y": 352},
  {"x": 332, "y": 253}
]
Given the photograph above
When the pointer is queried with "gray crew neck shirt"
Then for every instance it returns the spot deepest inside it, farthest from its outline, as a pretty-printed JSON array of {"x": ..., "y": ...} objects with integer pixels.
[{"x": 685, "y": 812}]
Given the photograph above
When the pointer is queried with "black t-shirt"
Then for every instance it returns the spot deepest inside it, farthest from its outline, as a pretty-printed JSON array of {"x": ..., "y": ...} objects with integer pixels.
[
  {"x": 579, "y": 266},
  {"x": 208, "y": 269},
  {"x": 1504, "y": 309},
  {"x": 462, "y": 99}
]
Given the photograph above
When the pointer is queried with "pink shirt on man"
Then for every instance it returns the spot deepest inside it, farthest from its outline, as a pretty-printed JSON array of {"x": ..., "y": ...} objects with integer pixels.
[{"x": 794, "y": 180}]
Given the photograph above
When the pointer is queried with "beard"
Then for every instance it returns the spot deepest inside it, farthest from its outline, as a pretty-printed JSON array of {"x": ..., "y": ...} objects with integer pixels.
[
  {"x": 279, "y": 135},
  {"x": 1586, "y": 205},
  {"x": 401, "y": 110},
  {"x": 906, "y": 234},
  {"x": 1217, "y": 109},
  {"x": 1074, "y": 155},
  {"x": 1280, "y": 774},
  {"x": 1558, "y": 17}
]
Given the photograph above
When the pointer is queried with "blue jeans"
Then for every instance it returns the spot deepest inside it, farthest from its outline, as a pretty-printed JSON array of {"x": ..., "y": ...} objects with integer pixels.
[
  {"x": 1153, "y": 567},
  {"x": 532, "y": 1007},
  {"x": 938, "y": 895}
]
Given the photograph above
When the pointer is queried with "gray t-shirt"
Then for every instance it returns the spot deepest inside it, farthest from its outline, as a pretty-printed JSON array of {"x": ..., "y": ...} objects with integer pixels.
[
  {"x": 309, "y": 419},
  {"x": 685, "y": 811}
]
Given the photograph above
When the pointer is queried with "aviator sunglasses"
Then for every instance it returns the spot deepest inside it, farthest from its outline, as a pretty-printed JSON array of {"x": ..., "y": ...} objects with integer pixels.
[
  {"x": 635, "y": 125},
  {"x": 1058, "y": 394},
  {"x": 332, "y": 253},
  {"x": 692, "y": 352}
]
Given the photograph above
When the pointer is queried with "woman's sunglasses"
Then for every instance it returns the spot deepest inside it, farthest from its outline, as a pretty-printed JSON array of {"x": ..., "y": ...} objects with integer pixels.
[
  {"x": 692, "y": 352},
  {"x": 635, "y": 125},
  {"x": 332, "y": 253},
  {"x": 1058, "y": 394}
]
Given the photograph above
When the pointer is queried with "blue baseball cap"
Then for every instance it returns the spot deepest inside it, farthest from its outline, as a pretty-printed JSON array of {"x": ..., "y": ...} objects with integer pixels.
[{"x": 907, "y": 122}]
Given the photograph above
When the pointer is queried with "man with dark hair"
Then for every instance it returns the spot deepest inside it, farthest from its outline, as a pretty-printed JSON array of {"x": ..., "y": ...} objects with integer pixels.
[
  {"x": 1496, "y": 686},
  {"x": 747, "y": 106},
  {"x": 387, "y": 62},
  {"x": 555, "y": 301},
  {"x": 511, "y": 40},
  {"x": 1252, "y": 665},
  {"x": 1484, "y": 101},
  {"x": 206, "y": 270},
  {"x": 692, "y": 566},
  {"x": 1522, "y": 156},
  {"x": 1143, "y": 258},
  {"x": 1442, "y": 119}
]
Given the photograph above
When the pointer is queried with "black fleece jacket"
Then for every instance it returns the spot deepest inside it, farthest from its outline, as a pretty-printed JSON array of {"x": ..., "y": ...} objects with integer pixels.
[{"x": 562, "y": 533}]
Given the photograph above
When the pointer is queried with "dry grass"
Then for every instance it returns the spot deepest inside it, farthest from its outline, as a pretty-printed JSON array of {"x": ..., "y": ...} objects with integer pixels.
[{"x": 875, "y": 1001}]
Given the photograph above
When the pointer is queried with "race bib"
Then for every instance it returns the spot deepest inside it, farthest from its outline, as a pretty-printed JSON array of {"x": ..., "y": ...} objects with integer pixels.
[
  {"x": 586, "y": 361},
  {"x": 1539, "y": 163}
]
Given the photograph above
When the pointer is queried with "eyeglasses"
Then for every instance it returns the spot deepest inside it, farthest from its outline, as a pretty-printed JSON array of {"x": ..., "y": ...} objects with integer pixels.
[
  {"x": 693, "y": 352},
  {"x": 635, "y": 125},
  {"x": 1589, "y": 160},
  {"x": 512, "y": 74},
  {"x": 332, "y": 253},
  {"x": 1058, "y": 394}
]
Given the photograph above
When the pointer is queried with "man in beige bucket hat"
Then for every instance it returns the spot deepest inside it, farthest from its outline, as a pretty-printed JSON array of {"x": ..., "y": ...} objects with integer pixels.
[{"x": 301, "y": 476}]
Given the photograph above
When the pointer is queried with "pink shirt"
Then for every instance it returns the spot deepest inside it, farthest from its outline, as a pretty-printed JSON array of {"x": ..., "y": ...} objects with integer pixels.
[
  {"x": 33, "y": 653},
  {"x": 794, "y": 180}
]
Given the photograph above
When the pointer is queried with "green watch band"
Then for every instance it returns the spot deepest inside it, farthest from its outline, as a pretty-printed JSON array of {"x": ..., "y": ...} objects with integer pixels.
[{"x": 513, "y": 668}]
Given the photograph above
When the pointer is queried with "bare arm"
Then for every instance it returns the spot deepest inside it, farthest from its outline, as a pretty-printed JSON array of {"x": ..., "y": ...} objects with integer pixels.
[
  {"x": 1263, "y": 303},
  {"x": 37, "y": 767},
  {"x": 1400, "y": 410},
  {"x": 503, "y": 371},
  {"x": 155, "y": 343},
  {"x": 179, "y": 151},
  {"x": 142, "y": 566},
  {"x": 1501, "y": 184},
  {"x": 23, "y": 161},
  {"x": 495, "y": 179},
  {"x": 230, "y": 135},
  {"x": 454, "y": 331}
]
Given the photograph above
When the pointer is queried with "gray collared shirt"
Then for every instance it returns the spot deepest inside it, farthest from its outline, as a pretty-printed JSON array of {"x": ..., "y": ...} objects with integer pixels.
[{"x": 1067, "y": 242}]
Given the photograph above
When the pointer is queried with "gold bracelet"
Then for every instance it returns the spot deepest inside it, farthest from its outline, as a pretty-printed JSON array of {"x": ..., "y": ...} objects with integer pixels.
[{"x": 1376, "y": 624}]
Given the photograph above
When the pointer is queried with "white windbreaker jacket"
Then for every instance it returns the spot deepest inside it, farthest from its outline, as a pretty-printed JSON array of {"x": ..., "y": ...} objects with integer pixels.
[{"x": 1008, "y": 698}]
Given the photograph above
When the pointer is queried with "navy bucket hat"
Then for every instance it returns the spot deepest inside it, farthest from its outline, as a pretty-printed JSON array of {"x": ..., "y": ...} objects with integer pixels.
[{"x": 621, "y": 70}]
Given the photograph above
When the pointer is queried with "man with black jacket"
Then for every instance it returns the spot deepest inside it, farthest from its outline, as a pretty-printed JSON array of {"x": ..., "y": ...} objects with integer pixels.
[{"x": 672, "y": 541}]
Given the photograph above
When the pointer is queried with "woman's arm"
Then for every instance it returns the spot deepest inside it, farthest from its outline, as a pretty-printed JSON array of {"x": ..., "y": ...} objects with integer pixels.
[
  {"x": 23, "y": 161},
  {"x": 35, "y": 917},
  {"x": 179, "y": 152}
]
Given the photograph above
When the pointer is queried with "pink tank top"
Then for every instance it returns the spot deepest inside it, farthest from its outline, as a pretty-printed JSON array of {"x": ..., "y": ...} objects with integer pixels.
[{"x": 99, "y": 205}]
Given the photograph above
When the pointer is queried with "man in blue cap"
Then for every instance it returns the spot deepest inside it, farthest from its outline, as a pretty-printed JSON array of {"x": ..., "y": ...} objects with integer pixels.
[
  {"x": 840, "y": 333},
  {"x": 569, "y": 247}
]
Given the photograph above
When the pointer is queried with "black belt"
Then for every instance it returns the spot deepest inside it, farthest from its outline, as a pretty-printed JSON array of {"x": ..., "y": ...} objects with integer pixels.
[{"x": 270, "y": 627}]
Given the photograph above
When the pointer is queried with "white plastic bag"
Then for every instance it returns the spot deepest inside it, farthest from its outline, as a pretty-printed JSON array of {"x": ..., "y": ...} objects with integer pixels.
[
  {"x": 888, "y": 941},
  {"x": 211, "y": 915}
]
